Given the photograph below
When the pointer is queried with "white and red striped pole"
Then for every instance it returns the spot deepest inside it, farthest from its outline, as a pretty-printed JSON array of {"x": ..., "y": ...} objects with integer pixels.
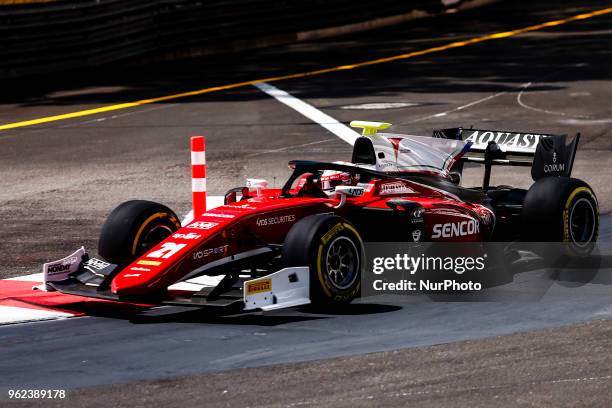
[{"x": 198, "y": 175}]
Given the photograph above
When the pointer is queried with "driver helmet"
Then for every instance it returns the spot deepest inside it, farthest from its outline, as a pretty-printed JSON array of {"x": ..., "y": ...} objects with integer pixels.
[{"x": 330, "y": 179}]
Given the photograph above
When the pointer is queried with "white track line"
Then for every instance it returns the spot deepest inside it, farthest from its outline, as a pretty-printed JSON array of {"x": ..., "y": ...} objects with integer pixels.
[
  {"x": 12, "y": 315},
  {"x": 35, "y": 277},
  {"x": 476, "y": 102},
  {"x": 337, "y": 128},
  {"x": 519, "y": 100},
  {"x": 342, "y": 131},
  {"x": 282, "y": 149}
]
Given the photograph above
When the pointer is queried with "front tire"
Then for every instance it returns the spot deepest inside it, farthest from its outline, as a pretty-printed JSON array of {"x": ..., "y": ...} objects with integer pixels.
[
  {"x": 133, "y": 228},
  {"x": 333, "y": 250}
]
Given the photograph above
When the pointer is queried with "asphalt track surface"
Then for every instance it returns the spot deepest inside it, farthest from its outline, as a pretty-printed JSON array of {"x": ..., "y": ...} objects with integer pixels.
[{"x": 60, "y": 179}]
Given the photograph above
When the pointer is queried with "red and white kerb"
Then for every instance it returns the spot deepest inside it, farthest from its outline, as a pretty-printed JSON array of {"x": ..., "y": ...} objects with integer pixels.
[{"x": 198, "y": 175}]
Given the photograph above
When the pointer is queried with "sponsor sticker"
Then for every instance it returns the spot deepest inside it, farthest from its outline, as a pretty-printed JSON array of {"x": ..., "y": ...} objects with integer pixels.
[
  {"x": 147, "y": 262},
  {"x": 202, "y": 225},
  {"x": 486, "y": 215},
  {"x": 57, "y": 268},
  {"x": 395, "y": 188},
  {"x": 96, "y": 264},
  {"x": 219, "y": 215},
  {"x": 417, "y": 216},
  {"x": 330, "y": 234},
  {"x": 191, "y": 235},
  {"x": 456, "y": 229},
  {"x": 138, "y": 268},
  {"x": 260, "y": 286},
  {"x": 554, "y": 167},
  {"x": 509, "y": 140},
  {"x": 61, "y": 267},
  {"x": 281, "y": 219},
  {"x": 355, "y": 191},
  {"x": 236, "y": 206},
  {"x": 210, "y": 251},
  {"x": 350, "y": 191}
]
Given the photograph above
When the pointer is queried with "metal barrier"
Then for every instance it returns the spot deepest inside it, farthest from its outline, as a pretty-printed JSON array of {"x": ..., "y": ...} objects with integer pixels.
[{"x": 72, "y": 34}]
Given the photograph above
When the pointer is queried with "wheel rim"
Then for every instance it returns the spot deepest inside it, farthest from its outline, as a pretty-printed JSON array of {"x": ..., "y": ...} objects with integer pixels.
[
  {"x": 154, "y": 236},
  {"x": 582, "y": 222},
  {"x": 342, "y": 262}
]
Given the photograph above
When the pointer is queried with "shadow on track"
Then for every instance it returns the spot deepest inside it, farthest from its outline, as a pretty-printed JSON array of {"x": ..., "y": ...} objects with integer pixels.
[{"x": 301, "y": 314}]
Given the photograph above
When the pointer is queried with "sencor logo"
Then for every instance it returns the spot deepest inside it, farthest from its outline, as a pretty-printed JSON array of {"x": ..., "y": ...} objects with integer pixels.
[{"x": 456, "y": 229}]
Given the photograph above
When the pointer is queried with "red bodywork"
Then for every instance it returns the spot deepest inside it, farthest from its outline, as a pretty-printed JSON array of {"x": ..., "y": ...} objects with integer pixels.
[{"x": 242, "y": 226}]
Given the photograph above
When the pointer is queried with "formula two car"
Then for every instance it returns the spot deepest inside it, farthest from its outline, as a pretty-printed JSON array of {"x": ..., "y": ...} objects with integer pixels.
[{"x": 271, "y": 248}]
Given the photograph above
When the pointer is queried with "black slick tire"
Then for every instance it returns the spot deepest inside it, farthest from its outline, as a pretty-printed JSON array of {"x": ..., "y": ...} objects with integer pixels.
[
  {"x": 561, "y": 209},
  {"x": 333, "y": 250},
  {"x": 133, "y": 228}
]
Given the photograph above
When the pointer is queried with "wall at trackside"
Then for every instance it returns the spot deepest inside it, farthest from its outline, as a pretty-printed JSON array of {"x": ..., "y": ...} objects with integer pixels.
[{"x": 38, "y": 37}]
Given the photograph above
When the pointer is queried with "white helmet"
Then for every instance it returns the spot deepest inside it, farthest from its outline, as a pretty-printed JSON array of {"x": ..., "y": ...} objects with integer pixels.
[{"x": 330, "y": 179}]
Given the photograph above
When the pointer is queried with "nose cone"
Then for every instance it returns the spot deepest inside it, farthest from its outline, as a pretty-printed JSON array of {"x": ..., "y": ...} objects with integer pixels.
[
  {"x": 169, "y": 260},
  {"x": 133, "y": 284}
]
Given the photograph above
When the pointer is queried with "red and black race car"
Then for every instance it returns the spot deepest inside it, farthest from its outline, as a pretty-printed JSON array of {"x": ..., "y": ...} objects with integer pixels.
[{"x": 268, "y": 248}]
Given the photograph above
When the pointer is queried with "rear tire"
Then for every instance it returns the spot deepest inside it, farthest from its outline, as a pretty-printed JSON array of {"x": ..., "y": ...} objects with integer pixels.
[
  {"x": 133, "y": 228},
  {"x": 333, "y": 250},
  {"x": 561, "y": 209}
]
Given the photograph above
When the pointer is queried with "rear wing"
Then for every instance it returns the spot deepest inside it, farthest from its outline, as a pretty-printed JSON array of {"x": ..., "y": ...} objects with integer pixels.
[{"x": 547, "y": 154}]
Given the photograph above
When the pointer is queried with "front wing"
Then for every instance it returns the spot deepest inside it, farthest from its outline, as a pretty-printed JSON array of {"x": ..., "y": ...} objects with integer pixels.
[{"x": 78, "y": 274}]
